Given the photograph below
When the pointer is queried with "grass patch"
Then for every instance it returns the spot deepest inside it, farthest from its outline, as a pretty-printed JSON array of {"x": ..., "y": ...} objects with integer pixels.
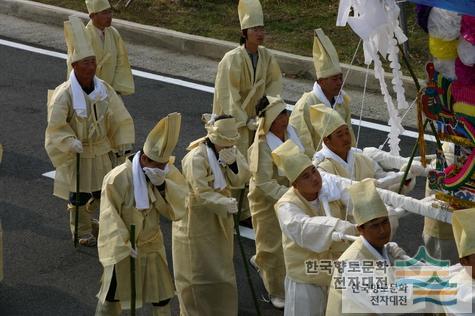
[{"x": 289, "y": 24}]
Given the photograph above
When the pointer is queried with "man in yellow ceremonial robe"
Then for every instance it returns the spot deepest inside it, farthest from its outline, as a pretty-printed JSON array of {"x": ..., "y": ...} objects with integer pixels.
[
  {"x": 111, "y": 54},
  {"x": 339, "y": 158},
  {"x": 308, "y": 218},
  {"x": 246, "y": 74},
  {"x": 85, "y": 117},
  {"x": 371, "y": 218},
  {"x": 146, "y": 186},
  {"x": 266, "y": 187},
  {"x": 203, "y": 241},
  {"x": 326, "y": 90}
]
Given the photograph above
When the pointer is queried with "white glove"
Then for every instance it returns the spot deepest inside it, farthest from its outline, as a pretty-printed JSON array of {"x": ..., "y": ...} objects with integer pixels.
[
  {"x": 416, "y": 169},
  {"x": 232, "y": 206},
  {"x": 227, "y": 156},
  {"x": 395, "y": 251},
  {"x": 346, "y": 228},
  {"x": 156, "y": 175},
  {"x": 133, "y": 253},
  {"x": 252, "y": 124},
  {"x": 76, "y": 146},
  {"x": 407, "y": 187}
]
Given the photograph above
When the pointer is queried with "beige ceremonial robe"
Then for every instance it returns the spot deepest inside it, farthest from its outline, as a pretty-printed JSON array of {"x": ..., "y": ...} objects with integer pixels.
[
  {"x": 153, "y": 280},
  {"x": 203, "y": 241},
  {"x": 107, "y": 126},
  {"x": 307, "y": 238},
  {"x": 266, "y": 187},
  {"x": 238, "y": 88},
  {"x": 300, "y": 120},
  {"x": 112, "y": 59},
  {"x": 358, "y": 251}
]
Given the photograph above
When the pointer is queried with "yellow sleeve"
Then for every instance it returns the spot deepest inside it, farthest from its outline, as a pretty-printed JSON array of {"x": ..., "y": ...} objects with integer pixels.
[
  {"x": 273, "y": 78},
  {"x": 195, "y": 169},
  {"x": 113, "y": 244},
  {"x": 123, "y": 80},
  {"x": 59, "y": 134},
  {"x": 176, "y": 191},
  {"x": 121, "y": 126},
  {"x": 227, "y": 97},
  {"x": 264, "y": 177}
]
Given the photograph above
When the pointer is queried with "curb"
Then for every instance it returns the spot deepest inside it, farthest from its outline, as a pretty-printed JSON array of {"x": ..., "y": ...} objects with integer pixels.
[{"x": 291, "y": 64}]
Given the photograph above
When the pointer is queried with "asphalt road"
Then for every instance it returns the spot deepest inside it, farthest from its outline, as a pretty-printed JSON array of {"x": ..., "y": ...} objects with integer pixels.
[{"x": 44, "y": 274}]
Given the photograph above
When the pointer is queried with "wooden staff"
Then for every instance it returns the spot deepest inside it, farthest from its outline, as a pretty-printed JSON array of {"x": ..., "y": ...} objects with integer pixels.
[
  {"x": 243, "y": 254},
  {"x": 76, "y": 216},
  {"x": 132, "y": 272}
]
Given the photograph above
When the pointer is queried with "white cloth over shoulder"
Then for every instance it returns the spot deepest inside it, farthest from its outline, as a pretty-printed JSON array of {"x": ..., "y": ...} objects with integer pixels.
[
  {"x": 274, "y": 141},
  {"x": 219, "y": 180},
  {"x": 79, "y": 100},
  {"x": 140, "y": 184}
]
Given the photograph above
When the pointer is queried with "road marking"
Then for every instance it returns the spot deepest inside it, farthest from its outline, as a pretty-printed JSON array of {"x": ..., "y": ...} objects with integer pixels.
[
  {"x": 195, "y": 86},
  {"x": 49, "y": 174}
]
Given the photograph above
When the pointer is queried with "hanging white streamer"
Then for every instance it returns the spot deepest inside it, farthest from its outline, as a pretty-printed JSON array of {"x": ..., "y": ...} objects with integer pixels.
[{"x": 376, "y": 22}]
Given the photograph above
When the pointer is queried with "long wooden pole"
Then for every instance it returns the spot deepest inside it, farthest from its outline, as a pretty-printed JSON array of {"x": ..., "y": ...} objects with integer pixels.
[
  {"x": 132, "y": 273},
  {"x": 76, "y": 215}
]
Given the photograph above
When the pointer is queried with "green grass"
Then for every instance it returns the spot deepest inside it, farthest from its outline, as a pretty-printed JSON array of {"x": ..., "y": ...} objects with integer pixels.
[{"x": 289, "y": 24}]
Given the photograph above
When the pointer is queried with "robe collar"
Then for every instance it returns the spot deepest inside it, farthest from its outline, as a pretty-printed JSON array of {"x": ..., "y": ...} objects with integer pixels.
[
  {"x": 374, "y": 252},
  {"x": 79, "y": 96},
  {"x": 318, "y": 92},
  {"x": 348, "y": 165}
]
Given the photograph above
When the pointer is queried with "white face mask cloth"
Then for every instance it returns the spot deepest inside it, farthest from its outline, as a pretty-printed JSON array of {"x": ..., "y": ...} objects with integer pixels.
[{"x": 156, "y": 175}]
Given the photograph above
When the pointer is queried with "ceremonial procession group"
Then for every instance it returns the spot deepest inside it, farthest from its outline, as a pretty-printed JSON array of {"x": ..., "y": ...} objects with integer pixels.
[{"x": 312, "y": 196}]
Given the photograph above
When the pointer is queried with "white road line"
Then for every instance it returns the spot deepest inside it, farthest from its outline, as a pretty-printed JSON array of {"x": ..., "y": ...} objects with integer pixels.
[
  {"x": 192, "y": 85},
  {"x": 49, "y": 174},
  {"x": 385, "y": 128},
  {"x": 247, "y": 232}
]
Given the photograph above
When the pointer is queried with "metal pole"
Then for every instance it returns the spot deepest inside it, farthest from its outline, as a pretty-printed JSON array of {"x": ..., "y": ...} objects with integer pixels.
[
  {"x": 132, "y": 272},
  {"x": 243, "y": 254},
  {"x": 76, "y": 216}
]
